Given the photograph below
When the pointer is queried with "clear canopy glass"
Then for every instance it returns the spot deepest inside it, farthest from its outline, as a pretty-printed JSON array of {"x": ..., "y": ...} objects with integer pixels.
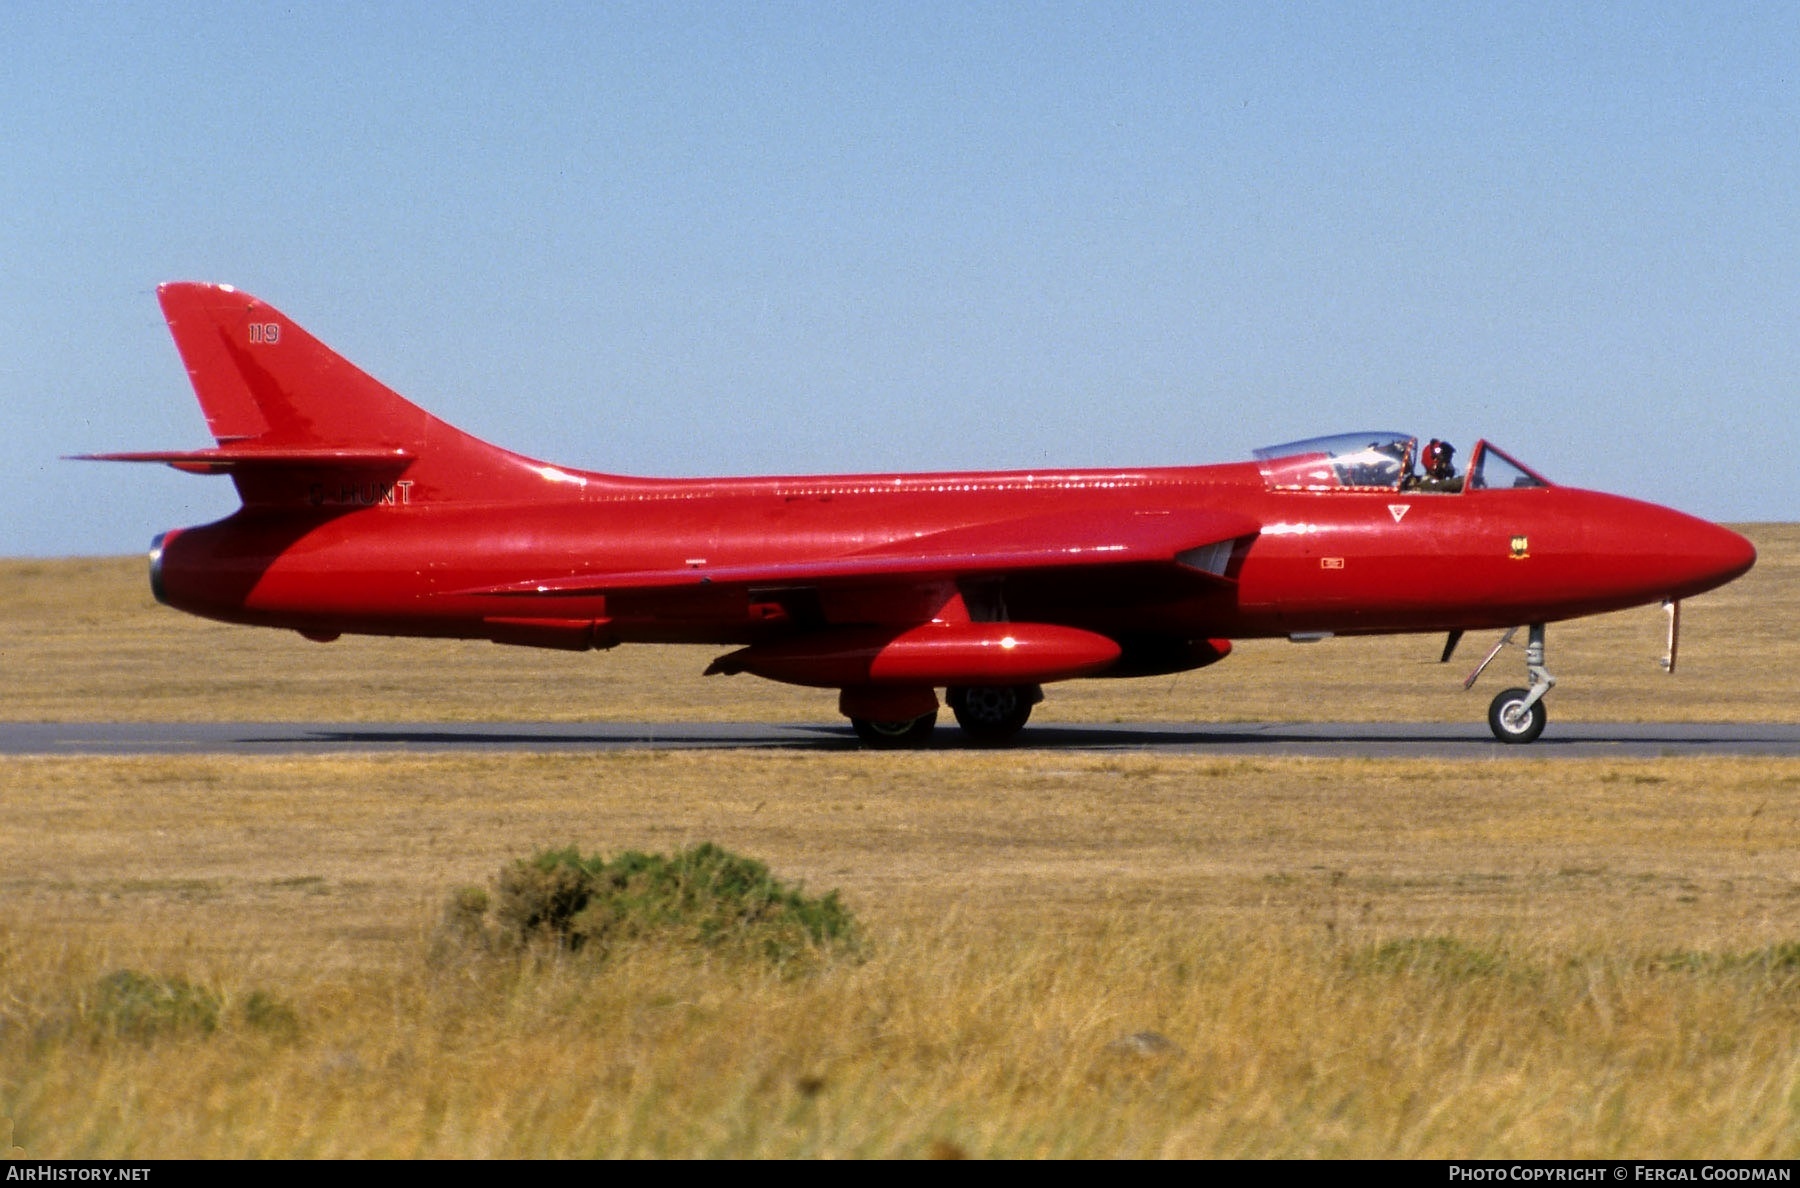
[
  {"x": 1376, "y": 459},
  {"x": 1493, "y": 470},
  {"x": 1383, "y": 460}
]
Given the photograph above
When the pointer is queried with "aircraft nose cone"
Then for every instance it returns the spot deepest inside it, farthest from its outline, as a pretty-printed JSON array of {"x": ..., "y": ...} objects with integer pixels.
[
  {"x": 1734, "y": 555},
  {"x": 1707, "y": 554}
]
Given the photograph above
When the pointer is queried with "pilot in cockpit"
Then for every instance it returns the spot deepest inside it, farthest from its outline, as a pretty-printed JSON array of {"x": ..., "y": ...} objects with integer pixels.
[{"x": 1439, "y": 461}]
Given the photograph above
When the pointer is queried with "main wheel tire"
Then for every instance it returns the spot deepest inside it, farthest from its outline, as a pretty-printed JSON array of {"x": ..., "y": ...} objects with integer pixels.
[
  {"x": 992, "y": 714},
  {"x": 895, "y": 736},
  {"x": 1511, "y": 722}
]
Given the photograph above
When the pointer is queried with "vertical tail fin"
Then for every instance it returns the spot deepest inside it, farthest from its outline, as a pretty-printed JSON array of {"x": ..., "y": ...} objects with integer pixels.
[{"x": 297, "y": 424}]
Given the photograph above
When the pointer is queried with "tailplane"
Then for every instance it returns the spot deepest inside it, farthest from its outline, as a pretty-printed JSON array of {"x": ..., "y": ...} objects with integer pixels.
[{"x": 299, "y": 425}]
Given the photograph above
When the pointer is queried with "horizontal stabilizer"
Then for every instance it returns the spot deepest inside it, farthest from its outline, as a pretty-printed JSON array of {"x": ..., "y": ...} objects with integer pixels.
[
  {"x": 226, "y": 459},
  {"x": 1082, "y": 540}
]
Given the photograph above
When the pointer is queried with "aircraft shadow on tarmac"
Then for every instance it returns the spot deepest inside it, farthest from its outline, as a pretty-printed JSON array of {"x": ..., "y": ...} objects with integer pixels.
[
  {"x": 840, "y": 738},
  {"x": 1333, "y": 738}
]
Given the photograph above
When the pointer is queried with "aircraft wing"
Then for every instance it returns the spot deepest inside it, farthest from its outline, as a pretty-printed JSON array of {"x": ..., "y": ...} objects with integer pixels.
[{"x": 1195, "y": 544}]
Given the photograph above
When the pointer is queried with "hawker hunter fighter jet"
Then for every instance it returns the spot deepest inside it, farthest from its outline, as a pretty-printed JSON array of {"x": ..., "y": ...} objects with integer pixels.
[{"x": 363, "y": 513}]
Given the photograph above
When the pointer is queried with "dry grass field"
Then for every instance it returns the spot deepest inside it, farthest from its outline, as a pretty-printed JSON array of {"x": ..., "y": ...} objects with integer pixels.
[{"x": 1067, "y": 954}]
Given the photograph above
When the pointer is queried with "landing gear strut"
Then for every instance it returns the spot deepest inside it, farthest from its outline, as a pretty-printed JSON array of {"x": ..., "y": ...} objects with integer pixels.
[{"x": 1518, "y": 715}]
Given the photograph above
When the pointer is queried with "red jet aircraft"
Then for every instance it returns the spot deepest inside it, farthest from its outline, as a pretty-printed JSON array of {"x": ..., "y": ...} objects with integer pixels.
[{"x": 363, "y": 513}]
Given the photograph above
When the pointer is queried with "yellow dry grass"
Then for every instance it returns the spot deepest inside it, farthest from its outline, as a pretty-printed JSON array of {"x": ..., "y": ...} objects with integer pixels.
[
  {"x": 1072, "y": 955},
  {"x": 82, "y": 640}
]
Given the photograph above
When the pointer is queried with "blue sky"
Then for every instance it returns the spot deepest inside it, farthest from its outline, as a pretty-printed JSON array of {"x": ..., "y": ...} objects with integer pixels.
[{"x": 719, "y": 238}]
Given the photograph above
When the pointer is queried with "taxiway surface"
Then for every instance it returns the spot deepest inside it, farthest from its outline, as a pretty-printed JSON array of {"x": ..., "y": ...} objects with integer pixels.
[{"x": 1637, "y": 740}]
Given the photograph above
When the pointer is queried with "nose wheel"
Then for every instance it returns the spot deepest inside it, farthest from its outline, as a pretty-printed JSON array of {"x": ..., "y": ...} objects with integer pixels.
[
  {"x": 1518, "y": 715},
  {"x": 1515, "y": 717}
]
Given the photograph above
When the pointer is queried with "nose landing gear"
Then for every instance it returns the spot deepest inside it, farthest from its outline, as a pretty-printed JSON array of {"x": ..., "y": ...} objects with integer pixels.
[{"x": 1518, "y": 715}]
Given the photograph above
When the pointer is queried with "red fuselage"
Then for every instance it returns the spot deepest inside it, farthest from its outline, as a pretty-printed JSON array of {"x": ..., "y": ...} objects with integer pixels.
[{"x": 1343, "y": 561}]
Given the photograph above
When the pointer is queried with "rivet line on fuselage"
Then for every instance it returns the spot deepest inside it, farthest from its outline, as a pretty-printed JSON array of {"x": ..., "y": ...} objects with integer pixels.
[{"x": 600, "y": 496}]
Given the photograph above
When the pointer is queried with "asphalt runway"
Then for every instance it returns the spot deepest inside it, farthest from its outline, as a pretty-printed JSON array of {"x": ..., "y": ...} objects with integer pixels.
[{"x": 1412, "y": 740}]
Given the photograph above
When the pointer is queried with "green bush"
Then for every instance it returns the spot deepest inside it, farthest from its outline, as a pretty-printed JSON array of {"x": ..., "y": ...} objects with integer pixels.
[
  {"x": 141, "y": 1006},
  {"x": 264, "y": 1012},
  {"x": 705, "y": 897}
]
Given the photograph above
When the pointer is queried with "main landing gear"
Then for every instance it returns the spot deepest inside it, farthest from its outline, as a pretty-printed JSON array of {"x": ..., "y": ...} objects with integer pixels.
[
  {"x": 1518, "y": 715},
  {"x": 989, "y": 715},
  {"x": 897, "y": 735},
  {"x": 993, "y": 714}
]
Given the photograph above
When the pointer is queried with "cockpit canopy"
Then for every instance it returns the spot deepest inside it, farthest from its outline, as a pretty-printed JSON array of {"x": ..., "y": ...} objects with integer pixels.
[{"x": 1386, "y": 461}]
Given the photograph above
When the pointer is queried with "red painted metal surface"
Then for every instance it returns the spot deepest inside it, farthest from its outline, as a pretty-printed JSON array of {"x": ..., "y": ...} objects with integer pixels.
[
  {"x": 363, "y": 513},
  {"x": 932, "y": 654}
]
